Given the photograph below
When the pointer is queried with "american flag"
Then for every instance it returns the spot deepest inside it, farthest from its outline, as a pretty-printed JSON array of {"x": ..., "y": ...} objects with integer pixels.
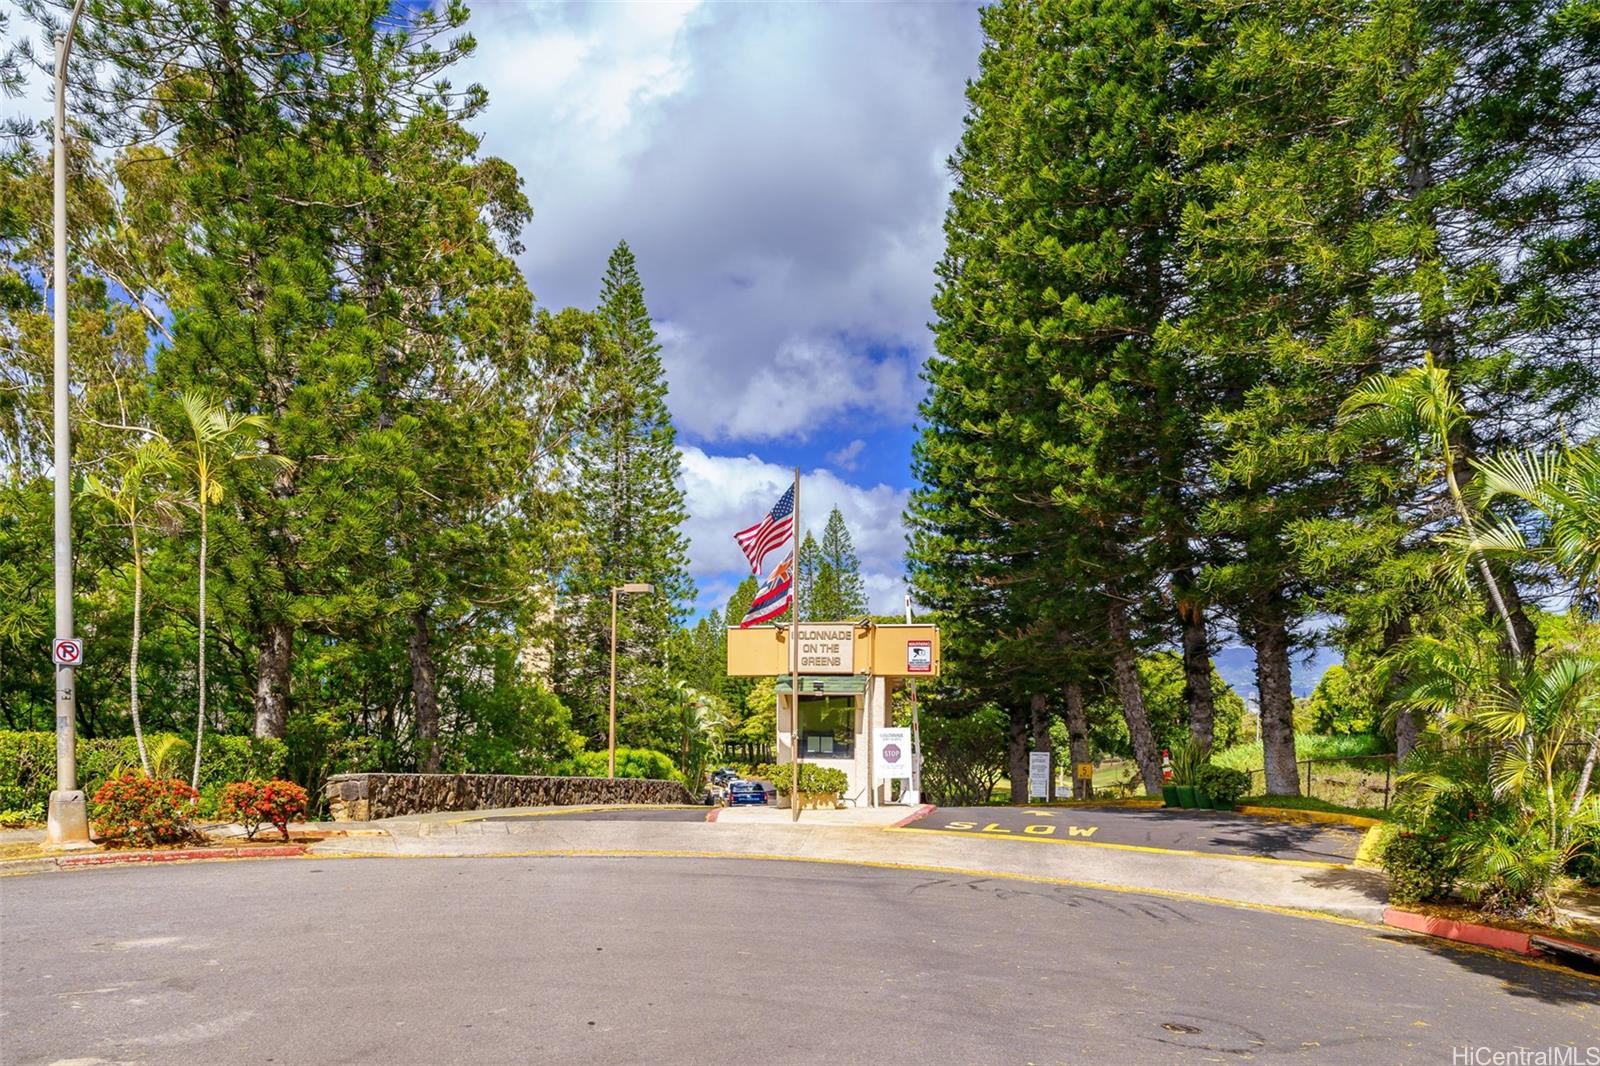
[
  {"x": 774, "y": 595},
  {"x": 769, "y": 533}
]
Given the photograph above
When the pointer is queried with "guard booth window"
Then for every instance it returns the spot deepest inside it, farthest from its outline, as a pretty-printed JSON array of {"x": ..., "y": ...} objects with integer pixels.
[{"x": 828, "y": 725}]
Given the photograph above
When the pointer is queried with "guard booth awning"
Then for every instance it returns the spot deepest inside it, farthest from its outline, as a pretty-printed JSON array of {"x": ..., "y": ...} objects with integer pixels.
[{"x": 836, "y": 685}]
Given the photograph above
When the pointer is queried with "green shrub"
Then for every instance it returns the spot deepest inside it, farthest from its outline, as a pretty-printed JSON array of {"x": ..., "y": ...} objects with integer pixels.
[
  {"x": 20, "y": 817},
  {"x": 1223, "y": 784},
  {"x": 631, "y": 762},
  {"x": 28, "y": 761},
  {"x": 1419, "y": 866},
  {"x": 813, "y": 778},
  {"x": 143, "y": 811},
  {"x": 1188, "y": 759}
]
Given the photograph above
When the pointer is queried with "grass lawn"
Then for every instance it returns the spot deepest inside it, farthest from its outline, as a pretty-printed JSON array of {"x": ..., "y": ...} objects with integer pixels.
[{"x": 1306, "y": 803}]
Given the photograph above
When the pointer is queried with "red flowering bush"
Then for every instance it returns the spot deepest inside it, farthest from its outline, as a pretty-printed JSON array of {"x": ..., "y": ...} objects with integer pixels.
[
  {"x": 143, "y": 811},
  {"x": 254, "y": 803}
]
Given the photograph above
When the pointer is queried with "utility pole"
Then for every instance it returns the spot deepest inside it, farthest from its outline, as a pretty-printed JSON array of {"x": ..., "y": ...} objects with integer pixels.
[{"x": 68, "y": 822}]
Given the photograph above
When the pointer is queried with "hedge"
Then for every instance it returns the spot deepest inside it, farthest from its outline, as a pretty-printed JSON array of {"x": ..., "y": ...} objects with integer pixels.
[
  {"x": 28, "y": 763},
  {"x": 813, "y": 778}
]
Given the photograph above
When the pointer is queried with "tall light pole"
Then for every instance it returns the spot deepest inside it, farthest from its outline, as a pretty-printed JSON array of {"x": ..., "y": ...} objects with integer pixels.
[
  {"x": 68, "y": 820},
  {"x": 611, "y": 736}
]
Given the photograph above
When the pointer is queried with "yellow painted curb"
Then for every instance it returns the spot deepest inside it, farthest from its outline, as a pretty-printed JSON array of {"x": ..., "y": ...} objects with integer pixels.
[
  {"x": 1367, "y": 854},
  {"x": 971, "y": 834},
  {"x": 1325, "y": 817}
]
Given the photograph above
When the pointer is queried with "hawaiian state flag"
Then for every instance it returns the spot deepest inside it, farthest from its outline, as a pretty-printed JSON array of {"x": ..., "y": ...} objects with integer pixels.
[
  {"x": 774, "y": 595},
  {"x": 769, "y": 533}
]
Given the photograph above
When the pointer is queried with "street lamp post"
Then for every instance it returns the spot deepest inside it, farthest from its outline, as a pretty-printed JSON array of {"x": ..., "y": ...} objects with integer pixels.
[
  {"x": 68, "y": 820},
  {"x": 611, "y": 736}
]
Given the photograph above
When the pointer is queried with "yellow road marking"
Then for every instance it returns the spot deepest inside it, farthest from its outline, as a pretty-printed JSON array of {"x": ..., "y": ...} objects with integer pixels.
[
  {"x": 1005, "y": 834},
  {"x": 1042, "y": 814}
]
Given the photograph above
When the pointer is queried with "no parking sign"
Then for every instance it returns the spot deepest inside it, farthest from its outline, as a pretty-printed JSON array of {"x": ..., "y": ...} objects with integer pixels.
[{"x": 67, "y": 651}]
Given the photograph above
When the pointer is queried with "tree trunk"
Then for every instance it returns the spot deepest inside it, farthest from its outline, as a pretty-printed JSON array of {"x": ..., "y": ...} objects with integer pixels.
[
  {"x": 1521, "y": 624},
  {"x": 133, "y": 656},
  {"x": 1039, "y": 711},
  {"x": 1077, "y": 738},
  {"x": 1197, "y": 671},
  {"x": 1145, "y": 752},
  {"x": 200, "y": 714},
  {"x": 272, "y": 679},
  {"x": 1405, "y": 734},
  {"x": 424, "y": 692},
  {"x": 1277, "y": 707},
  {"x": 1395, "y": 633},
  {"x": 1017, "y": 751}
]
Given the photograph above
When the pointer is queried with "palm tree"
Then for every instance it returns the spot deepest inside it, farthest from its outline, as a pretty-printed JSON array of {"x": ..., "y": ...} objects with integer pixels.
[
  {"x": 1421, "y": 405},
  {"x": 139, "y": 498},
  {"x": 1563, "y": 488},
  {"x": 1523, "y": 830},
  {"x": 218, "y": 439},
  {"x": 701, "y": 721}
]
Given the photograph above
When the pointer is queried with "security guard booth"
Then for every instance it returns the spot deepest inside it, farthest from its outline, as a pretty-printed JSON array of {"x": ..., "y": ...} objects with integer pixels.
[{"x": 849, "y": 672}]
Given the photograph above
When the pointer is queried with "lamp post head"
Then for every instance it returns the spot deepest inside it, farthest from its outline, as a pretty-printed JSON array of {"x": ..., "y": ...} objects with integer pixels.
[{"x": 636, "y": 586}]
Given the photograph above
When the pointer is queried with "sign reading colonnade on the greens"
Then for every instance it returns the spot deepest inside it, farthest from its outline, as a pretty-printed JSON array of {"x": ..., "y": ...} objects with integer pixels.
[{"x": 827, "y": 649}]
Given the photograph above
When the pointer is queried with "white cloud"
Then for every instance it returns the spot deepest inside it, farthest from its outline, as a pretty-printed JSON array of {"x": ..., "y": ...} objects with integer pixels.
[
  {"x": 778, "y": 170},
  {"x": 727, "y": 493},
  {"x": 846, "y": 457}
]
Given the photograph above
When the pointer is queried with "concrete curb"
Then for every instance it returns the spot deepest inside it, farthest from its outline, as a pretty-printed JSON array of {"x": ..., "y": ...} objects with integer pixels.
[
  {"x": 1288, "y": 814},
  {"x": 125, "y": 858},
  {"x": 916, "y": 815},
  {"x": 1367, "y": 854},
  {"x": 1483, "y": 936},
  {"x": 114, "y": 858}
]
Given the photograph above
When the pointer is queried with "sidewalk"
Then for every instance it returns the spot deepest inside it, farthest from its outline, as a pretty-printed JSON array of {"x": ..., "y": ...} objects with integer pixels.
[{"x": 1343, "y": 892}]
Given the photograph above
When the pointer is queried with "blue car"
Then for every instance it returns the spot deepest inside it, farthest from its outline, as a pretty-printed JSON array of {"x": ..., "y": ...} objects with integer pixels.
[{"x": 746, "y": 792}]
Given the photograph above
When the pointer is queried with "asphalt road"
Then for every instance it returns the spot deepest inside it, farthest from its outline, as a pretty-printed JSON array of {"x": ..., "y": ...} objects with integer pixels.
[
  {"x": 1203, "y": 831},
  {"x": 582, "y": 960}
]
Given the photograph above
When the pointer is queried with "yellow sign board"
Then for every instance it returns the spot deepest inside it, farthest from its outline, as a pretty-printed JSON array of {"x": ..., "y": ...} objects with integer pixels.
[
  {"x": 1085, "y": 771},
  {"x": 878, "y": 650},
  {"x": 827, "y": 649}
]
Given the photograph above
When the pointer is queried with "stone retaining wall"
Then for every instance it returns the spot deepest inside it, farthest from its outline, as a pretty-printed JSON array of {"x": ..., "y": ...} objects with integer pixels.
[{"x": 364, "y": 797}]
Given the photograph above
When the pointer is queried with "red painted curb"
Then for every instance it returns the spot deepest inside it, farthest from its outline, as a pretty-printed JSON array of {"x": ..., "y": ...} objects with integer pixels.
[
  {"x": 921, "y": 812},
  {"x": 113, "y": 859},
  {"x": 1486, "y": 936},
  {"x": 711, "y": 815}
]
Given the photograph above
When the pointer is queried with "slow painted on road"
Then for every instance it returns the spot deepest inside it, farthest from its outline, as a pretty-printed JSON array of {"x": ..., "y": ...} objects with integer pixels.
[
  {"x": 583, "y": 960},
  {"x": 1208, "y": 832}
]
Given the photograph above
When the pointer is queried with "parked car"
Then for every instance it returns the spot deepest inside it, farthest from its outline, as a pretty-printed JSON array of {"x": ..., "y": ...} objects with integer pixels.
[
  {"x": 741, "y": 791},
  {"x": 724, "y": 776}
]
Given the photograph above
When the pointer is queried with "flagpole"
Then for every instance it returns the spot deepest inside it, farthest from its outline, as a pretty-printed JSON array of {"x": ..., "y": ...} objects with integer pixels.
[{"x": 794, "y": 661}]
